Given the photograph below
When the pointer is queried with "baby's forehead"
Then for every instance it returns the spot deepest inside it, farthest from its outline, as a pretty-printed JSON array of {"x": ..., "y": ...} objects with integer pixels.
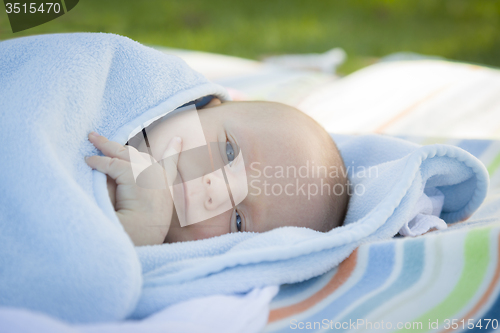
[{"x": 273, "y": 117}]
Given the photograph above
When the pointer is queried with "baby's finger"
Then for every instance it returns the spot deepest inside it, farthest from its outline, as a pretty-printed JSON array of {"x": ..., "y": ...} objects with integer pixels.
[
  {"x": 170, "y": 158},
  {"x": 153, "y": 176},
  {"x": 109, "y": 148},
  {"x": 119, "y": 170}
]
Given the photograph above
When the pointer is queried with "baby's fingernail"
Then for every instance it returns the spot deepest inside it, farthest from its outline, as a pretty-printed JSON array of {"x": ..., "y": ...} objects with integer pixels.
[
  {"x": 94, "y": 134},
  {"x": 86, "y": 158},
  {"x": 177, "y": 139}
]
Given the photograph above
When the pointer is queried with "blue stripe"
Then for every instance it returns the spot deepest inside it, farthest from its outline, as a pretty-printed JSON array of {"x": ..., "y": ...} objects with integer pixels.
[
  {"x": 493, "y": 313},
  {"x": 413, "y": 266},
  {"x": 379, "y": 267},
  {"x": 475, "y": 147}
]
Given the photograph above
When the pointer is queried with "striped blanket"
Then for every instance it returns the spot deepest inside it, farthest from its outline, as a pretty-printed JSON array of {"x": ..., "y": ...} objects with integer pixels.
[{"x": 441, "y": 282}]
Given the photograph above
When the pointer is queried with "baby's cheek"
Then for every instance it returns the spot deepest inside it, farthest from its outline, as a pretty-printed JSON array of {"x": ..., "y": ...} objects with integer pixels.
[
  {"x": 237, "y": 179},
  {"x": 196, "y": 232},
  {"x": 215, "y": 226}
]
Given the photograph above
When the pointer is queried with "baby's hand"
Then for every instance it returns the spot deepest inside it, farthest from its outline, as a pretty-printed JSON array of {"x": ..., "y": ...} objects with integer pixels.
[{"x": 145, "y": 213}]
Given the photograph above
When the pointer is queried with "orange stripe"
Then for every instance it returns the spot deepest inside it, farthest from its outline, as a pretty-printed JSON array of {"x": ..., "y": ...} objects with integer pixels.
[
  {"x": 486, "y": 294},
  {"x": 406, "y": 111},
  {"x": 344, "y": 271}
]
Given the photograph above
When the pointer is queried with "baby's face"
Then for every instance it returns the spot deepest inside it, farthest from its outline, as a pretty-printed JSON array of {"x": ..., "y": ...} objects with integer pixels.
[{"x": 258, "y": 190}]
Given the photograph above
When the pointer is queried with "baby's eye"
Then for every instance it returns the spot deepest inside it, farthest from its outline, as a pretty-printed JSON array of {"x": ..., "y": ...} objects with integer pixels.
[
  {"x": 229, "y": 152},
  {"x": 238, "y": 220}
]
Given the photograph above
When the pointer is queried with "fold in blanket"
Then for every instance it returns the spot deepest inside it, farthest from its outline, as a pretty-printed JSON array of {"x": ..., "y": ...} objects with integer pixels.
[
  {"x": 214, "y": 314},
  {"x": 62, "y": 249}
]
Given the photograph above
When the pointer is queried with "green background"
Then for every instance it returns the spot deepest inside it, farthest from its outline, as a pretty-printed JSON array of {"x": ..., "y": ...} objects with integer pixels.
[{"x": 464, "y": 30}]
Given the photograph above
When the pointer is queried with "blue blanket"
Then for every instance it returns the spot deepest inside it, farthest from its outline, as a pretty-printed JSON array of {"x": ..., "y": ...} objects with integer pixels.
[{"x": 62, "y": 249}]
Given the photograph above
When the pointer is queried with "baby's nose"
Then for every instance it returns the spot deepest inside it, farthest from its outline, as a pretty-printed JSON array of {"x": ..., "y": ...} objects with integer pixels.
[{"x": 217, "y": 192}]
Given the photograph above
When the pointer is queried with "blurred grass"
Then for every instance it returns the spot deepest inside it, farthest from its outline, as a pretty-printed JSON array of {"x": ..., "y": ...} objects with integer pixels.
[{"x": 464, "y": 30}]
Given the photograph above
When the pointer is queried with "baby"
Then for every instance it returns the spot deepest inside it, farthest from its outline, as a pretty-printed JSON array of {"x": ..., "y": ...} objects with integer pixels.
[{"x": 281, "y": 168}]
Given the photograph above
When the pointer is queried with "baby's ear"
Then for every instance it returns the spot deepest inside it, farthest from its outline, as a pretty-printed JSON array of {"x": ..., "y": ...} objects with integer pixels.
[{"x": 214, "y": 102}]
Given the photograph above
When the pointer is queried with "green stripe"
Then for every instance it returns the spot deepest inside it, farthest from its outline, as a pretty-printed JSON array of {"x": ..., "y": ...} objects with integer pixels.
[
  {"x": 494, "y": 165},
  {"x": 476, "y": 259}
]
